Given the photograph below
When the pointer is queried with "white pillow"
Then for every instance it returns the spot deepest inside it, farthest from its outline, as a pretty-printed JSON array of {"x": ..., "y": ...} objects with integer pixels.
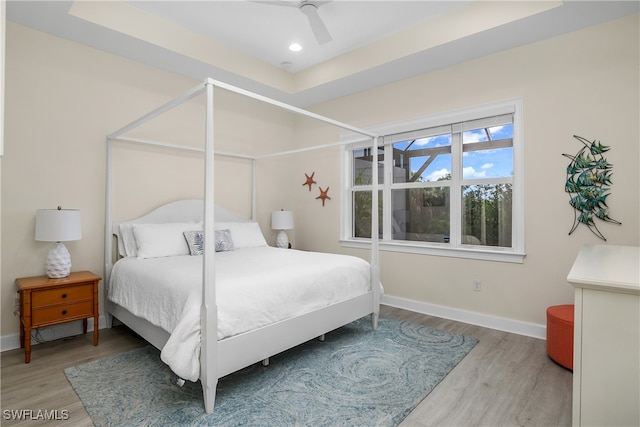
[
  {"x": 160, "y": 240},
  {"x": 121, "y": 250},
  {"x": 244, "y": 234},
  {"x": 128, "y": 240}
]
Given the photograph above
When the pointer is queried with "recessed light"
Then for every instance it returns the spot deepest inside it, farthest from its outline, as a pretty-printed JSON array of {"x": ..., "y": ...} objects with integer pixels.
[{"x": 295, "y": 47}]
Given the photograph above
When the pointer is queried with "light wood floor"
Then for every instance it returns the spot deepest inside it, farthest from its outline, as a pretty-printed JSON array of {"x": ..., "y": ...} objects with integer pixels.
[{"x": 506, "y": 380}]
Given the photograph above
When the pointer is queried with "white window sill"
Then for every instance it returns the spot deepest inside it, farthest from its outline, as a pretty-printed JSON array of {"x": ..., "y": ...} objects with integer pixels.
[{"x": 435, "y": 249}]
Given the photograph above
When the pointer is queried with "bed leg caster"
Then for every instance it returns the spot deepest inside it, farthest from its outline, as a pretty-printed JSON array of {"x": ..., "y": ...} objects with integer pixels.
[
  {"x": 265, "y": 362},
  {"x": 321, "y": 338},
  {"x": 180, "y": 382}
]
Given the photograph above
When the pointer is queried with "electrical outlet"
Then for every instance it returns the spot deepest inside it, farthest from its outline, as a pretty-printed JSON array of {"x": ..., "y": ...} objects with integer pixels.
[{"x": 477, "y": 285}]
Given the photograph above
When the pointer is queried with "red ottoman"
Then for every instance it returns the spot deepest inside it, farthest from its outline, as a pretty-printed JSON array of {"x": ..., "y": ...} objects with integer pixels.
[{"x": 560, "y": 334}]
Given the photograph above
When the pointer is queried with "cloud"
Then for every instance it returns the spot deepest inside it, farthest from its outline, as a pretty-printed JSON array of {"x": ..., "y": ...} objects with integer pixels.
[
  {"x": 473, "y": 136},
  {"x": 487, "y": 166},
  {"x": 469, "y": 173},
  {"x": 479, "y": 135},
  {"x": 435, "y": 175}
]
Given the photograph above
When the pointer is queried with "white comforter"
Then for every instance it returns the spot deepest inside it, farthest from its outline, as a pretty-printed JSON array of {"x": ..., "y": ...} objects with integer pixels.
[{"x": 254, "y": 287}]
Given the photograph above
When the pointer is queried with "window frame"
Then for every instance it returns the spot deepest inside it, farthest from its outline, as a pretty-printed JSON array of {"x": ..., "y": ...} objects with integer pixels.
[{"x": 351, "y": 142}]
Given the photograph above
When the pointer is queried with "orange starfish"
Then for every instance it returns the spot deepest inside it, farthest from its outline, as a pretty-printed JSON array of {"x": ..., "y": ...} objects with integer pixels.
[
  {"x": 323, "y": 195},
  {"x": 310, "y": 180}
]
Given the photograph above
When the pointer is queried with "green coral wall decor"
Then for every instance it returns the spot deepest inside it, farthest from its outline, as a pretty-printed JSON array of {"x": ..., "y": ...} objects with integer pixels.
[{"x": 588, "y": 181}]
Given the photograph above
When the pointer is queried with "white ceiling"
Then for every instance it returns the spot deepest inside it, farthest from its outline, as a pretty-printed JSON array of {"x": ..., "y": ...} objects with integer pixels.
[
  {"x": 244, "y": 43},
  {"x": 265, "y": 30}
]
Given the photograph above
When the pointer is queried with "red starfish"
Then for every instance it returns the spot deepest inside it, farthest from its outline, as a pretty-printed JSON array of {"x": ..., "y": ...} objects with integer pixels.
[
  {"x": 310, "y": 180},
  {"x": 323, "y": 195}
]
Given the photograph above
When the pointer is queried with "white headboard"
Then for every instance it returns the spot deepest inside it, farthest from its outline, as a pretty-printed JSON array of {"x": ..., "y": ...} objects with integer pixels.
[{"x": 178, "y": 211}]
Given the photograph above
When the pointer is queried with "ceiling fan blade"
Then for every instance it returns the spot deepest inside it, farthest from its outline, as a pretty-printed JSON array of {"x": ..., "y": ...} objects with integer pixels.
[{"x": 317, "y": 26}]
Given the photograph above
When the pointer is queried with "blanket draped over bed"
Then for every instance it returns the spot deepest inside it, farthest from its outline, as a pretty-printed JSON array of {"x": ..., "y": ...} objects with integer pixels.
[{"x": 255, "y": 287}]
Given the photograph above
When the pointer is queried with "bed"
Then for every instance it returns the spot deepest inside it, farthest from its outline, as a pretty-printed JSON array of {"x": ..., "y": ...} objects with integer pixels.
[
  {"x": 156, "y": 282},
  {"x": 211, "y": 331}
]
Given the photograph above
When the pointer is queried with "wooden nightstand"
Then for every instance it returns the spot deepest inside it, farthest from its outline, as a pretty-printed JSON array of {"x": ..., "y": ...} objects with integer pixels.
[{"x": 46, "y": 302}]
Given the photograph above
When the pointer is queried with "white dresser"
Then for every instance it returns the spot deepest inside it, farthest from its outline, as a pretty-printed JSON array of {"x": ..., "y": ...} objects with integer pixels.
[{"x": 606, "y": 360}]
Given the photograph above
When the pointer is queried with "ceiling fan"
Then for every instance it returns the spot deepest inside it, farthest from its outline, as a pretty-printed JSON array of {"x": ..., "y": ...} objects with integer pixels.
[{"x": 310, "y": 9}]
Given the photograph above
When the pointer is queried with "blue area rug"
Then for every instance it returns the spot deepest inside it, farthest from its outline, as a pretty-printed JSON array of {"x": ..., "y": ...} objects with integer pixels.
[{"x": 356, "y": 377}]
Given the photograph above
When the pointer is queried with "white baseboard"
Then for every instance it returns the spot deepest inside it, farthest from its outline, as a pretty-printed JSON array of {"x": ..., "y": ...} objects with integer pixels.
[
  {"x": 11, "y": 342},
  {"x": 50, "y": 333},
  {"x": 487, "y": 321}
]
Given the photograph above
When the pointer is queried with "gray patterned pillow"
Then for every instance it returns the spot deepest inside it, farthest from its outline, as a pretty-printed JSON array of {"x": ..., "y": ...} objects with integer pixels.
[
  {"x": 195, "y": 240},
  {"x": 224, "y": 242}
]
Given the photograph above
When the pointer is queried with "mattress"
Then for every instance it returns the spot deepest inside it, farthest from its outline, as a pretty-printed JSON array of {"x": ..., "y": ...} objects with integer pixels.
[{"x": 254, "y": 287}]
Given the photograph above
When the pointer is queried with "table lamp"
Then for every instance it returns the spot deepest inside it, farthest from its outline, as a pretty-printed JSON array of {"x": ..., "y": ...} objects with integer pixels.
[
  {"x": 282, "y": 220},
  {"x": 58, "y": 225}
]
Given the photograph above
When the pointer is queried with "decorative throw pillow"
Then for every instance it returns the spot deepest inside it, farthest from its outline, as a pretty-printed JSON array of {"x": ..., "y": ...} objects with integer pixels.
[
  {"x": 223, "y": 241},
  {"x": 195, "y": 240}
]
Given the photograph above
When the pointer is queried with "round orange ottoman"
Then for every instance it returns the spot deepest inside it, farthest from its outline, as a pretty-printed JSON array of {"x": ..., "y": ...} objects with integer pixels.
[{"x": 560, "y": 334}]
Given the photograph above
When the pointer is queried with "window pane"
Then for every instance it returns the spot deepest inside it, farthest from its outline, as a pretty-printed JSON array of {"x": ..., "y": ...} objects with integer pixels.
[
  {"x": 421, "y": 214},
  {"x": 422, "y": 160},
  {"x": 488, "y": 152},
  {"x": 362, "y": 213},
  {"x": 362, "y": 173},
  {"x": 486, "y": 216}
]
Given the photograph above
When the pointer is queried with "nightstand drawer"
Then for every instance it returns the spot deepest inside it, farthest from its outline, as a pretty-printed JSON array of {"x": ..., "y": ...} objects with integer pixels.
[
  {"x": 61, "y": 295},
  {"x": 62, "y": 312}
]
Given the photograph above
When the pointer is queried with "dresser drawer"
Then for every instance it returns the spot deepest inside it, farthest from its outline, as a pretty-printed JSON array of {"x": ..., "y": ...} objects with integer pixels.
[
  {"x": 63, "y": 295},
  {"x": 61, "y": 313}
]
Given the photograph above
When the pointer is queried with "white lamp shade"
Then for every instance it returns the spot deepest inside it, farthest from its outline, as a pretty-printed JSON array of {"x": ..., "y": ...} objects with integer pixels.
[
  {"x": 58, "y": 225},
  {"x": 282, "y": 220}
]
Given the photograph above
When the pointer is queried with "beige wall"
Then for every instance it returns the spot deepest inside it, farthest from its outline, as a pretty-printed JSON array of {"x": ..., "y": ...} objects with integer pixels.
[
  {"x": 62, "y": 98},
  {"x": 584, "y": 83}
]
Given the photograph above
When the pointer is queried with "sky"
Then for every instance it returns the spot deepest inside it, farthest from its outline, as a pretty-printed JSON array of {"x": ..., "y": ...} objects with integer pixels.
[{"x": 476, "y": 164}]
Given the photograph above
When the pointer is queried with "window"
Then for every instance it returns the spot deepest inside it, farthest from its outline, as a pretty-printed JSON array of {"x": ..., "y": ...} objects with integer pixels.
[{"x": 447, "y": 185}]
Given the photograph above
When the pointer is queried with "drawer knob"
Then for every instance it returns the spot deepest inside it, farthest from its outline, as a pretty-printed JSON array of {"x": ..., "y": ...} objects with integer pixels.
[
  {"x": 64, "y": 312},
  {"x": 64, "y": 295}
]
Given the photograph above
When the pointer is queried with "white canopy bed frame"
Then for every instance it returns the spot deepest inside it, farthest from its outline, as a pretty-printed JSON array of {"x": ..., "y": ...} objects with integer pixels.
[{"x": 221, "y": 357}]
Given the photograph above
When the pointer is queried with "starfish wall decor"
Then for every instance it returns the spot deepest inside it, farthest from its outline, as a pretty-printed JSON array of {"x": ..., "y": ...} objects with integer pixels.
[
  {"x": 310, "y": 180},
  {"x": 323, "y": 195}
]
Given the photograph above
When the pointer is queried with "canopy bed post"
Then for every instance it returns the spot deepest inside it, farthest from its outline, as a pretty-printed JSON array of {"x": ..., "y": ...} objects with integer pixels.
[
  {"x": 375, "y": 230},
  {"x": 108, "y": 256},
  {"x": 254, "y": 203},
  {"x": 209, "y": 311},
  {"x": 108, "y": 242}
]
